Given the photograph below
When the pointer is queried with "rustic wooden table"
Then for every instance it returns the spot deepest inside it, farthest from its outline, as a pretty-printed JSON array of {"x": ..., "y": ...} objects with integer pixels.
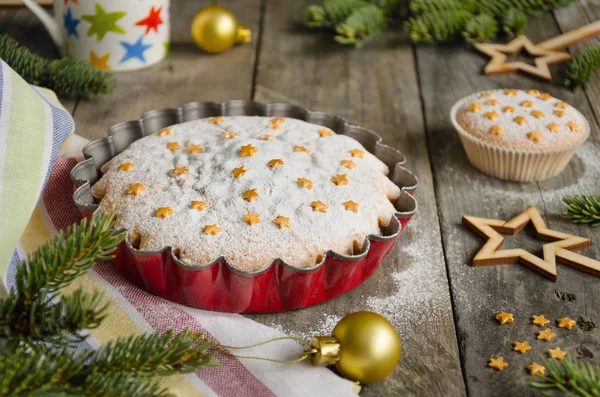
[{"x": 443, "y": 307}]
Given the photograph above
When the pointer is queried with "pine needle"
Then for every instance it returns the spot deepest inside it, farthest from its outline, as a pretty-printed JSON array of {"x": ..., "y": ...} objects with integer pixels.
[
  {"x": 583, "y": 209},
  {"x": 571, "y": 377},
  {"x": 583, "y": 67}
]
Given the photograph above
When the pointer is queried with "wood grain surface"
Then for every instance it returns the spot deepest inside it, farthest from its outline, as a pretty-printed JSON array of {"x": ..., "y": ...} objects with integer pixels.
[{"x": 443, "y": 307}]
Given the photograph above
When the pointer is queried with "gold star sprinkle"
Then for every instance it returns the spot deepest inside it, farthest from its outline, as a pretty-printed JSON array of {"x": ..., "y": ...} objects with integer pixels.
[
  {"x": 278, "y": 120},
  {"x": 527, "y": 104},
  {"x": 537, "y": 114},
  {"x": 228, "y": 135},
  {"x": 251, "y": 218},
  {"x": 136, "y": 189},
  {"x": 535, "y": 368},
  {"x": 267, "y": 137},
  {"x": 573, "y": 126},
  {"x": 496, "y": 130},
  {"x": 511, "y": 92},
  {"x": 192, "y": 148},
  {"x": 126, "y": 166},
  {"x": 275, "y": 163},
  {"x": 508, "y": 109},
  {"x": 275, "y": 126},
  {"x": 250, "y": 195},
  {"x": 520, "y": 120},
  {"x": 546, "y": 335},
  {"x": 165, "y": 131},
  {"x": 539, "y": 320},
  {"x": 350, "y": 206},
  {"x": 553, "y": 127},
  {"x": 212, "y": 229},
  {"x": 298, "y": 148},
  {"x": 535, "y": 136},
  {"x": 566, "y": 322},
  {"x": 348, "y": 164},
  {"x": 216, "y": 120},
  {"x": 535, "y": 92},
  {"x": 305, "y": 183},
  {"x": 164, "y": 212},
  {"x": 505, "y": 318},
  {"x": 486, "y": 95},
  {"x": 475, "y": 107},
  {"x": 173, "y": 146},
  {"x": 181, "y": 170},
  {"x": 557, "y": 353},
  {"x": 282, "y": 222},
  {"x": 561, "y": 105},
  {"x": 492, "y": 102},
  {"x": 248, "y": 151},
  {"x": 559, "y": 113},
  {"x": 491, "y": 115},
  {"x": 237, "y": 172},
  {"x": 357, "y": 153},
  {"x": 319, "y": 206},
  {"x": 544, "y": 96},
  {"x": 199, "y": 205},
  {"x": 497, "y": 363},
  {"x": 522, "y": 347},
  {"x": 340, "y": 179},
  {"x": 325, "y": 132}
]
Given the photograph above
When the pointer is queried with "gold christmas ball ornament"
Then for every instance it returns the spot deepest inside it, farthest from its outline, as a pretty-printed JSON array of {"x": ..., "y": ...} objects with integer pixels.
[
  {"x": 364, "y": 346},
  {"x": 215, "y": 29}
]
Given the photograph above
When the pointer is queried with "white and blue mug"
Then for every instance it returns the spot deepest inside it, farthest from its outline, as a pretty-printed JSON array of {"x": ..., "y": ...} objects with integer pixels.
[{"x": 111, "y": 34}]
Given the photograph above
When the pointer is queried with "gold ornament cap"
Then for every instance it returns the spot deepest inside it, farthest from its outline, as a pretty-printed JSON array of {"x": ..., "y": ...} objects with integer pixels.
[
  {"x": 364, "y": 346},
  {"x": 243, "y": 34}
]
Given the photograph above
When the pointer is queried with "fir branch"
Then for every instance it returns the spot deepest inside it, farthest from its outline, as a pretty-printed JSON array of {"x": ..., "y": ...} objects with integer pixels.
[
  {"x": 514, "y": 22},
  {"x": 583, "y": 66},
  {"x": 499, "y": 8},
  {"x": 482, "y": 28},
  {"x": 155, "y": 353},
  {"x": 67, "y": 77},
  {"x": 331, "y": 12},
  {"x": 583, "y": 209},
  {"x": 119, "y": 384},
  {"x": 574, "y": 377},
  {"x": 438, "y": 26},
  {"x": 419, "y": 6},
  {"x": 362, "y": 25},
  {"x": 66, "y": 256}
]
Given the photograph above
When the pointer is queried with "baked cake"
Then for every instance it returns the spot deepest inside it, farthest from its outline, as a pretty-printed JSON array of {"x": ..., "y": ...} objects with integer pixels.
[
  {"x": 520, "y": 135},
  {"x": 250, "y": 189}
]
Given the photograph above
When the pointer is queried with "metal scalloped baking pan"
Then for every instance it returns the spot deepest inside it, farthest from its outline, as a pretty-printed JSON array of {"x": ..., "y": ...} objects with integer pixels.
[{"x": 216, "y": 285}]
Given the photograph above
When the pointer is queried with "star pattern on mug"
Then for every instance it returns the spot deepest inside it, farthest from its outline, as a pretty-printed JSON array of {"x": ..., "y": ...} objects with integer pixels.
[
  {"x": 152, "y": 21},
  {"x": 100, "y": 62},
  {"x": 135, "y": 50},
  {"x": 103, "y": 22},
  {"x": 70, "y": 23}
]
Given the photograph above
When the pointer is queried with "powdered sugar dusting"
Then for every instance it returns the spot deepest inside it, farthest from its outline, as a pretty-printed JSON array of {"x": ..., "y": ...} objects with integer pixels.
[{"x": 195, "y": 161}]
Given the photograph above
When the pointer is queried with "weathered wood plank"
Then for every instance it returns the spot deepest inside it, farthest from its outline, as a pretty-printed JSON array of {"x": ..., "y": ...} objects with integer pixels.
[
  {"x": 187, "y": 74},
  {"x": 374, "y": 87},
  {"x": 446, "y": 74},
  {"x": 21, "y": 24}
]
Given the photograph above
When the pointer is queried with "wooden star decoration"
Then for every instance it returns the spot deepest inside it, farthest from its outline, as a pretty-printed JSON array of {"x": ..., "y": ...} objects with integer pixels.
[
  {"x": 498, "y": 363},
  {"x": 559, "y": 249},
  {"x": 522, "y": 347},
  {"x": 557, "y": 353},
  {"x": 545, "y": 53},
  {"x": 499, "y": 54}
]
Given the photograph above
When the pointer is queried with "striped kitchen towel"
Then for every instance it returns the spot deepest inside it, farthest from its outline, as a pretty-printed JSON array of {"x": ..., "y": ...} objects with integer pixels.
[{"x": 33, "y": 126}]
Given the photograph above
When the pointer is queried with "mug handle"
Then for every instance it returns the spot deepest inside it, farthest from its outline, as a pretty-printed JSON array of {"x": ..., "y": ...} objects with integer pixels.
[{"x": 48, "y": 21}]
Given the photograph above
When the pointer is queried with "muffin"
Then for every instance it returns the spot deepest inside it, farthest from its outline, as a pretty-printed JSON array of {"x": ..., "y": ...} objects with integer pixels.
[
  {"x": 250, "y": 189},
  {"x": 519, "y": 135}
]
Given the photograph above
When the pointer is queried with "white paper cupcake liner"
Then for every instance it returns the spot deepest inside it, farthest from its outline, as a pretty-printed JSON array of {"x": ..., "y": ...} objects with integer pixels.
[{"x": 518, "y": 165}]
